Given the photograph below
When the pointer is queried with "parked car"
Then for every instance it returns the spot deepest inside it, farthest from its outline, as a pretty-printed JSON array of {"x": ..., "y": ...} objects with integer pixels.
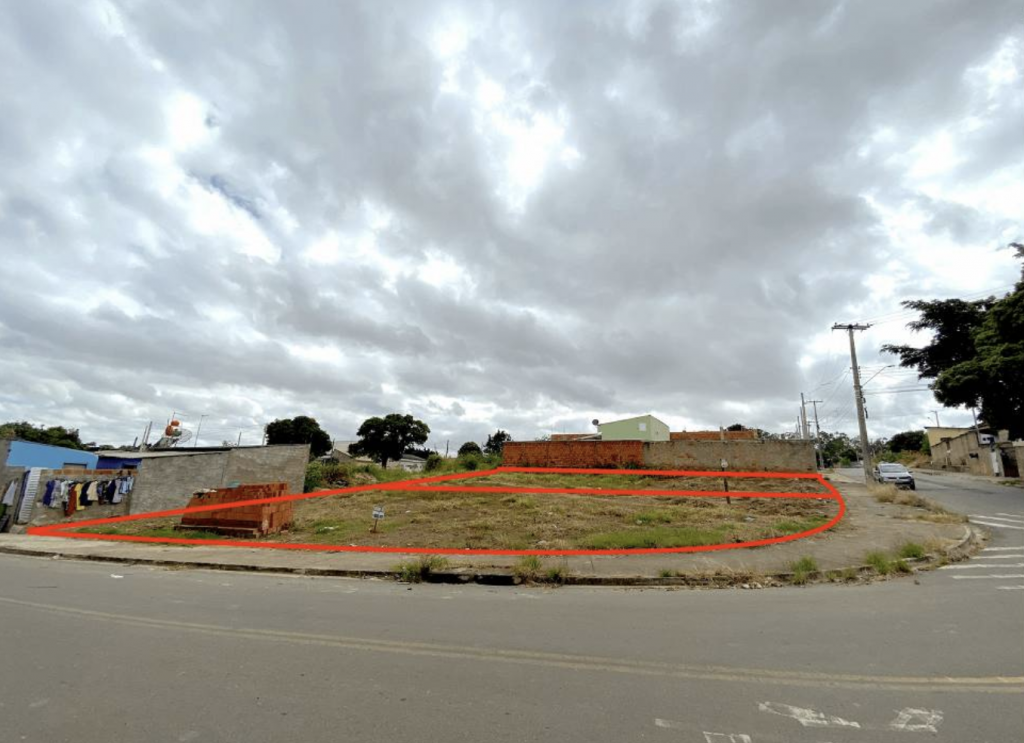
[{"x": 895, "y": 474}]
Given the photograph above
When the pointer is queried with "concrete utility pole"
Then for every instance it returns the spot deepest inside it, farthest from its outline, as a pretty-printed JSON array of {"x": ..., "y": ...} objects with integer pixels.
[
  {"x": 803, "y": 417},
  {"x": 936, "y": 414},
  {"x": 817, "y": 434},
  {"x": 858, "y": 393}
]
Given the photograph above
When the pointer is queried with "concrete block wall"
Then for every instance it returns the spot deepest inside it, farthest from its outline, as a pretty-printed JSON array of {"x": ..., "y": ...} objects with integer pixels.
[
  {"x": 748, "y": 456},
  {"x": 583, "y": 454},
  {"x": 44, "y": 515},
  {"x": 744, "y": 435},
  {"x": 164, "y": 483}
]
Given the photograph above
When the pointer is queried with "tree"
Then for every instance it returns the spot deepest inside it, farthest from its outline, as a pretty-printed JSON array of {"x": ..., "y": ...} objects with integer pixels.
[
  {"x": 907, "y": 441},
  {"x": 496, "y": 442},
  {"x": 470, "y": 447},
  {"x": 300, "y": 430},
  {"x": 835, "y": 448},
  {"x": 736, "y": 427},
  {"x": 52, "y": 435},
  {"x": 387, "y": 438},
  {"x": 976, "y": 355}
]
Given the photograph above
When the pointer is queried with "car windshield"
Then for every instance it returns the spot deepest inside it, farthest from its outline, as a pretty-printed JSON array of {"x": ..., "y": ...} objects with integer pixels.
[{"x": 892, "y": 468}]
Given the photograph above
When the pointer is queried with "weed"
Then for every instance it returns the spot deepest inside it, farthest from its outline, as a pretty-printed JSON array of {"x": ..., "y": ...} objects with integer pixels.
[
  {"x": 883, "y": 493},
  {"x": 912, "y": 551},
  {"x": 803, "y": 569},
  {"x": 557, "y": 574},
  {"x": 527, "y": 568},
  {"x": 653, "y": 517},
  {"x": 900, "y": 566},
  {"x": 417, "y": 570},
  {"x": 880, "y": 562},
  {"x": 665, "y": 573}
]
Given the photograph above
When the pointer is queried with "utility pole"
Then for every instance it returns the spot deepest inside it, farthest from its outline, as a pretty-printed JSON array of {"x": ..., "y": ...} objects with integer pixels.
[
  {"x": 936, "y": 414},
  {"x": 858, "y": 394},
  {"x": 817, "y": 434},
  {"x": 198, "y": 429},
  {"x": 803, "y": 417}
]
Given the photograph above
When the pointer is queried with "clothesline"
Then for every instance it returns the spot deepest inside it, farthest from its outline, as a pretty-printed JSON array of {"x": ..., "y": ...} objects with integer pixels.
[{"x": 74, "y": 495}]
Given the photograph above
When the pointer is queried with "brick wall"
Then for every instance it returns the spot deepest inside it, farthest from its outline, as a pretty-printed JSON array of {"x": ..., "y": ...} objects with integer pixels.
[
  {"x": 751, "y": 456},
  {"x": 247, "y": 521},
  {"x": 572, "y": 453},
  {"x": 164, "y": 483}
]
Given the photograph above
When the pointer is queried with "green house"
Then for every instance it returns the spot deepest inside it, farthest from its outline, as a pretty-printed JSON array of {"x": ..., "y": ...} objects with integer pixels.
[{"x": 641, "y": 428}]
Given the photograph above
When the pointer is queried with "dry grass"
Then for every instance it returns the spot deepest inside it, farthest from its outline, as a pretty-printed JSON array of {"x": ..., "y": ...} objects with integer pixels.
[{"x": 441, "y": 519}]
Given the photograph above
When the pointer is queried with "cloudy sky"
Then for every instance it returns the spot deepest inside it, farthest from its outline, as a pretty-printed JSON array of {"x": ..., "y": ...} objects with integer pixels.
[{"x": 521, "y": 214}]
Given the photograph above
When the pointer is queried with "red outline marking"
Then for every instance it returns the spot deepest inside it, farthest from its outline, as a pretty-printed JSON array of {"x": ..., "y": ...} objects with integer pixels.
[{"x": 420, "y": 484}]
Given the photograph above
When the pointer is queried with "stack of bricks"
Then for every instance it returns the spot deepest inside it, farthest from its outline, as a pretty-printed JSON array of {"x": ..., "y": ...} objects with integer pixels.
[{"x": 256, "y": 520}]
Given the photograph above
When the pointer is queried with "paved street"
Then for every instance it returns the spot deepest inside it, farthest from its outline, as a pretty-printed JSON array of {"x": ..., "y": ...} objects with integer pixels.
[{"x": 95, "y": 652}]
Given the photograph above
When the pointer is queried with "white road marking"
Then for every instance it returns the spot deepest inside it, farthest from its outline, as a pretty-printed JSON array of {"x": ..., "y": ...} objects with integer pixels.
[
  {"x": 1010, "y": 588},
  {"x": 983, "y": 565},
  {"x": 995, "y": 518},
  {"x": 1012, "y": 515},
  {"x": 726, "y": 738},
  {"x": 1001, "y": 549},
  {"x": 911, "y": 718},
  {"x": 982, "y": 577},
  {"x": 669, "y": 724},
  {"x": 998, "y": 526},
  {"x": 1019, "y": 556},
  {"x": 809, "y": 718}
]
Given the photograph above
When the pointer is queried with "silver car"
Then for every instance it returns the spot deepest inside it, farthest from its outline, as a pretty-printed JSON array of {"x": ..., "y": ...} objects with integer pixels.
[{"x": 895, "y": 474}]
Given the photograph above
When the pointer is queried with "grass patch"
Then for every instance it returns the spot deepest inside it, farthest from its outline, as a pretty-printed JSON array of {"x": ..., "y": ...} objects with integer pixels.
[
  {"x": 911, "y": 551},
  {"x": 883, "y": 493},
  {"x": 665, "y": 573},
  {"x": 651, "y": 538},
  {"x": 527, "y": 568},
  {"x": 880, "y": 562},
  {"x": 556, "y": 574},
  {"x": 900, "y": 566},
  {"x": 654, "y": 517},
  {"x": 417, "y": 571},
  {"x": 803, "y": 569}
]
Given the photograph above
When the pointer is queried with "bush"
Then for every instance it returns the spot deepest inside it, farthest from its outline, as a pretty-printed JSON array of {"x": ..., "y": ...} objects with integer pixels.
[
  {"x": 434, "y": 462},
  {"x": 314, "y": 476},
  {"x": 880, "y": 562}
]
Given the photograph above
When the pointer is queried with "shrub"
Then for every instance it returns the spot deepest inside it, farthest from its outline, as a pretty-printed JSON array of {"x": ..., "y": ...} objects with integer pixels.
[
  {"x": 434, "y": 462},
  {"x": 803, "y": 568},
  {"x": 314, "y": 476}
]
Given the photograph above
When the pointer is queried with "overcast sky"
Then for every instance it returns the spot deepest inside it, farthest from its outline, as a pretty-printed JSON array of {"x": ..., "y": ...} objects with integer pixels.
[{"x": 518, "y": 215}]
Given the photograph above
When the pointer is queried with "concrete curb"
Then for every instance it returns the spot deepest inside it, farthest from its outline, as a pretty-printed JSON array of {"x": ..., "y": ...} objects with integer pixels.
[{"x": 491, "y": 578}]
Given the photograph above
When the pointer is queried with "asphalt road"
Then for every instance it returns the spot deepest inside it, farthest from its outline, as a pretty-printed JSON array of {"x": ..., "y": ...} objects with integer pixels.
[{"x": 93, "y": 652}]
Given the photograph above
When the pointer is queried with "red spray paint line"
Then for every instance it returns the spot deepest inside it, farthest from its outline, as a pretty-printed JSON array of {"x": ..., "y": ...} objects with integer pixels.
[{"x": 61, "y": 530}]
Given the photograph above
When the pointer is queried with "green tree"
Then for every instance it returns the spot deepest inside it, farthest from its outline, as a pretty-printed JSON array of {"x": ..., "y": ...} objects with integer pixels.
[
  {"x": 470, "y": 447},
  {"x": 52, "y": 435},
  {"x": 836, "y": 447},
  {"x": 300, "y": 430},
  {"x": 387, "y": 438},
  {"x": 907, "y": 441},
  {"x": 736, "y": 427},
  {"x": 496, "y": 442},
  {"x": 976, "y": 355}
]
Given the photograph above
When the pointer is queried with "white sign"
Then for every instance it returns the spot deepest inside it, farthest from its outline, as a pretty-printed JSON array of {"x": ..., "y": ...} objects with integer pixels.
[
  {"x": 725, "y": 464},
  {"x": 378, "y": 512}
]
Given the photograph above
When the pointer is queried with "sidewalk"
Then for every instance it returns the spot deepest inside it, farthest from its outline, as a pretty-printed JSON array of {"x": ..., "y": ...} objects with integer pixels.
[{"x": 868, "y": 526}]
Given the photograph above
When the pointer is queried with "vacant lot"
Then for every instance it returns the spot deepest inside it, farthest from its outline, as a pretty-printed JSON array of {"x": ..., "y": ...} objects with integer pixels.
[{"x": 445, "y": 519}]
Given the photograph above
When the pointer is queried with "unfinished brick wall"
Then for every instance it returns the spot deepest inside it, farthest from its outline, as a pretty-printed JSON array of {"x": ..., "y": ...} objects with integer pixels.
[
  {"x": 583, "y": 454},
  {"x": 244, "y": 521}
]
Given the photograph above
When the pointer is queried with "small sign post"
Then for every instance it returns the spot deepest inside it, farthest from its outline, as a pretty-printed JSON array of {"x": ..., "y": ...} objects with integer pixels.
[
  {"x": 378, "y": 514},
  {"x": 725, "y": 481}
]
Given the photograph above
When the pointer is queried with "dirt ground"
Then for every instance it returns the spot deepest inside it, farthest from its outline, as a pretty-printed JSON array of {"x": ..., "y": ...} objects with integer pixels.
[{"x": 445, "y": 519}]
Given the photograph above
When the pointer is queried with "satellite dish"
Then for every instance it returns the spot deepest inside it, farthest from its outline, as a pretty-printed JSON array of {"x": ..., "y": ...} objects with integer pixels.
[{"x": 594, "y": 421}]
